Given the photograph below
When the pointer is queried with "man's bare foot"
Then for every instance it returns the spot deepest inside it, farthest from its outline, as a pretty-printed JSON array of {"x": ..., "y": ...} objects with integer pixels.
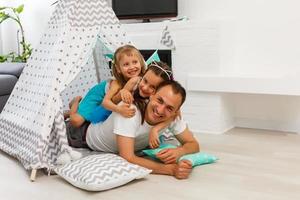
[
  {"x": 75, "y": 100},
  {"x": 183, "y": 169}
]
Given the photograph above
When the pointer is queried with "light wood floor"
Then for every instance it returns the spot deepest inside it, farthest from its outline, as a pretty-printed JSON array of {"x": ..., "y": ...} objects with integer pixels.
[{"x": 253, "y": 164}]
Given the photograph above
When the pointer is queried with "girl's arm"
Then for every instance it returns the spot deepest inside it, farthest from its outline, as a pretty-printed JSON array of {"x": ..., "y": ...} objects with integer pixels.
[
  {"x": 129, "y": 87},
  {"x": 107, "y": 103},
  {"x": 117, "y": 98},
  {"x": 154, "y": 133}
]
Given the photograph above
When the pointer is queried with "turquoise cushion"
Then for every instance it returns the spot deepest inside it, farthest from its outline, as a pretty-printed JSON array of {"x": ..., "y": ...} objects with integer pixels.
[
  {"x": 199, "y": 158},
  {"x": 152, "y": 152},
  {"x": 196, "y": 159}
]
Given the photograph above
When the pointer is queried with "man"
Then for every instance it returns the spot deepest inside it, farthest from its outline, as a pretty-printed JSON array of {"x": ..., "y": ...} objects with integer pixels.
[{"x": 128, "y": 135}]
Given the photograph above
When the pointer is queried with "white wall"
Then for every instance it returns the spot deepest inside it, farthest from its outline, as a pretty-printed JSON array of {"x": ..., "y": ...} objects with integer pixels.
[
  {"x": 34, "y": 19},
  {"x": 257, "y": 38},
  {"x": 262, "y": 35}
]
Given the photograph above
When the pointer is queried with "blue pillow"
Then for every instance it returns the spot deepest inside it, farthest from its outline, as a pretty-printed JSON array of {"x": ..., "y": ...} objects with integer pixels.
[{"x": 196, "y": 159}]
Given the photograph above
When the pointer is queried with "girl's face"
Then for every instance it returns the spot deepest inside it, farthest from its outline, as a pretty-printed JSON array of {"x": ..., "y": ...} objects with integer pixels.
[
  {"x": 148, "y": 84},
  {"x": 129, "y": 66}
]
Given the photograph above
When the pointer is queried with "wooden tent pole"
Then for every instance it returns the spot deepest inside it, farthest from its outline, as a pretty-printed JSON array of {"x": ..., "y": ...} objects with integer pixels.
[{"x": 33, "y": 175}]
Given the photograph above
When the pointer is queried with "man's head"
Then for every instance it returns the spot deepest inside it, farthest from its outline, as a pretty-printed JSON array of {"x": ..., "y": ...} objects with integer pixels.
[{"x": 165, "y": 103}]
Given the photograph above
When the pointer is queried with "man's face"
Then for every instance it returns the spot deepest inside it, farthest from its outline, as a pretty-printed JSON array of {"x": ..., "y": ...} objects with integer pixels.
[{"x": 162, "y": 106}]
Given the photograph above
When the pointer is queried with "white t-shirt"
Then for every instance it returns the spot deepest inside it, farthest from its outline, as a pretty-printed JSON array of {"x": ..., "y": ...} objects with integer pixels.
[{"x": 101, "y": 136}]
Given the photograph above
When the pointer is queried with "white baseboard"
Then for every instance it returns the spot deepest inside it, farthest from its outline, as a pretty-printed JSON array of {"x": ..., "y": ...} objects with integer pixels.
[
  {"x": 244, "y": 85},
  {"x": 268, "y": 124},
  {"x": 255, "y": 124},
  {"x": 214, "y": 132}
]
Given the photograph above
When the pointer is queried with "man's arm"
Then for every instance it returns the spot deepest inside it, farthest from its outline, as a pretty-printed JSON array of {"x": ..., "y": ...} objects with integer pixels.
[
  {"x": 126, "y": 150},
  {"x": 188, "y": 141},
  {"x": 189, "y": 145}
]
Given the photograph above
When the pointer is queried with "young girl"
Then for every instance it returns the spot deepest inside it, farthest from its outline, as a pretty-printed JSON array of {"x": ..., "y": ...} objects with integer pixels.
[
  {"x": 128, "y": 66},
  {"x": 156, "y": 73}
]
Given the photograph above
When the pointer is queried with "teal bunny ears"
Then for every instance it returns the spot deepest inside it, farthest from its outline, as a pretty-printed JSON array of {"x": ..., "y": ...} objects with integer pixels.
[
  {"x": 153, "y": 57},
  {"x": 109, "y": 55}
]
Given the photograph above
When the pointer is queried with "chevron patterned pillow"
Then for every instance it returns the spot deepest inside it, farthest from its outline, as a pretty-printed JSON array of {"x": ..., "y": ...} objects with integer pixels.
[{"x": 101, "y": 172}]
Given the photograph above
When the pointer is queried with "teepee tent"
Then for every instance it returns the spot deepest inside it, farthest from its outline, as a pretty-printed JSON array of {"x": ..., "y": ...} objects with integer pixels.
[
  {"x": 70, "y": 58},
  {"x": 62, "y": 66}
]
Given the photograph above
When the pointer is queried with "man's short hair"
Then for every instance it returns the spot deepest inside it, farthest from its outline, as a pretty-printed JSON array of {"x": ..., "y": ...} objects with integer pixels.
[{"x": 176, "y": 88}]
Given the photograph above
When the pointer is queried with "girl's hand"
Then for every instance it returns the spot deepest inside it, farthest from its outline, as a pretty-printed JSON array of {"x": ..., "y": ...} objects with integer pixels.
[
  {"x": 125, "y": 110},
  {"x": 153, "y": 139},
  {"x": 178, "y": 114},
  {"x": 126, "y": 96}
]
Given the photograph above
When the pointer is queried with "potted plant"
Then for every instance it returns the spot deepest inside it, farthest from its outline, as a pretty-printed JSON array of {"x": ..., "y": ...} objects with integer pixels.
[
  {"x": 12, "y": 64},
  {"x": 13, "y": 13}
]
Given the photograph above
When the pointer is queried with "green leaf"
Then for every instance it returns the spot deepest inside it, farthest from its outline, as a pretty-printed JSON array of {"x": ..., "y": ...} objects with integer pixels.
[
  {"x": 19, "y": 9},
  {"x": 2, "y": 14},
  {"x": 3, "y": 17},
  {"x": 18, "y": 59},
  {"x": 26, "y": 48},
  {"x": 3, "y": 58}
]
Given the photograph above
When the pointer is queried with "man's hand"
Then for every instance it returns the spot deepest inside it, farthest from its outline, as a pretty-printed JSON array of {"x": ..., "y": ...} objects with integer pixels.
[
  {"x": 153, "y": 138},
  {"x": 169, "y": 156},
  {"x": 125, "y": 110},
  {"x": 126, "y": 96},
  {"x": 183, "y": 169}
]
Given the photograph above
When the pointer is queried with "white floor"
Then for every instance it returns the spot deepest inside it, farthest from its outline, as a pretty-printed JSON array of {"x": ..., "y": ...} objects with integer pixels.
[{"x": 254, "y": 164}]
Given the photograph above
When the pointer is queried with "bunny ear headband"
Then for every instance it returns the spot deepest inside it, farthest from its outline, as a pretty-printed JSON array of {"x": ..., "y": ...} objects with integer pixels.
[{"x": 167, "y": 72}]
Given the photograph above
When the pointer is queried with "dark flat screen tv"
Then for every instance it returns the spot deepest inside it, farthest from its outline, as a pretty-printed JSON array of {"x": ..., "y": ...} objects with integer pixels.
[
  {"x": 164, "y": 55},
  {"x": 144, "y": 9}
]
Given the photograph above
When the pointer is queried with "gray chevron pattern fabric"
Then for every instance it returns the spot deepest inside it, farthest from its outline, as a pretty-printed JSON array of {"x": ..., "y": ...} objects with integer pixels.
[
  {"x": 31, "y": 124},
  {"x": 59, "y": 14},
  {"x": 13, "y": 136},
  {"x": 167, "y": 136},
  {"x": 101, "y": 172},
  {"x": 57, "y": 143},
  {"x": 89, "y": 13},
  {"x": 166, "y": 38}
]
